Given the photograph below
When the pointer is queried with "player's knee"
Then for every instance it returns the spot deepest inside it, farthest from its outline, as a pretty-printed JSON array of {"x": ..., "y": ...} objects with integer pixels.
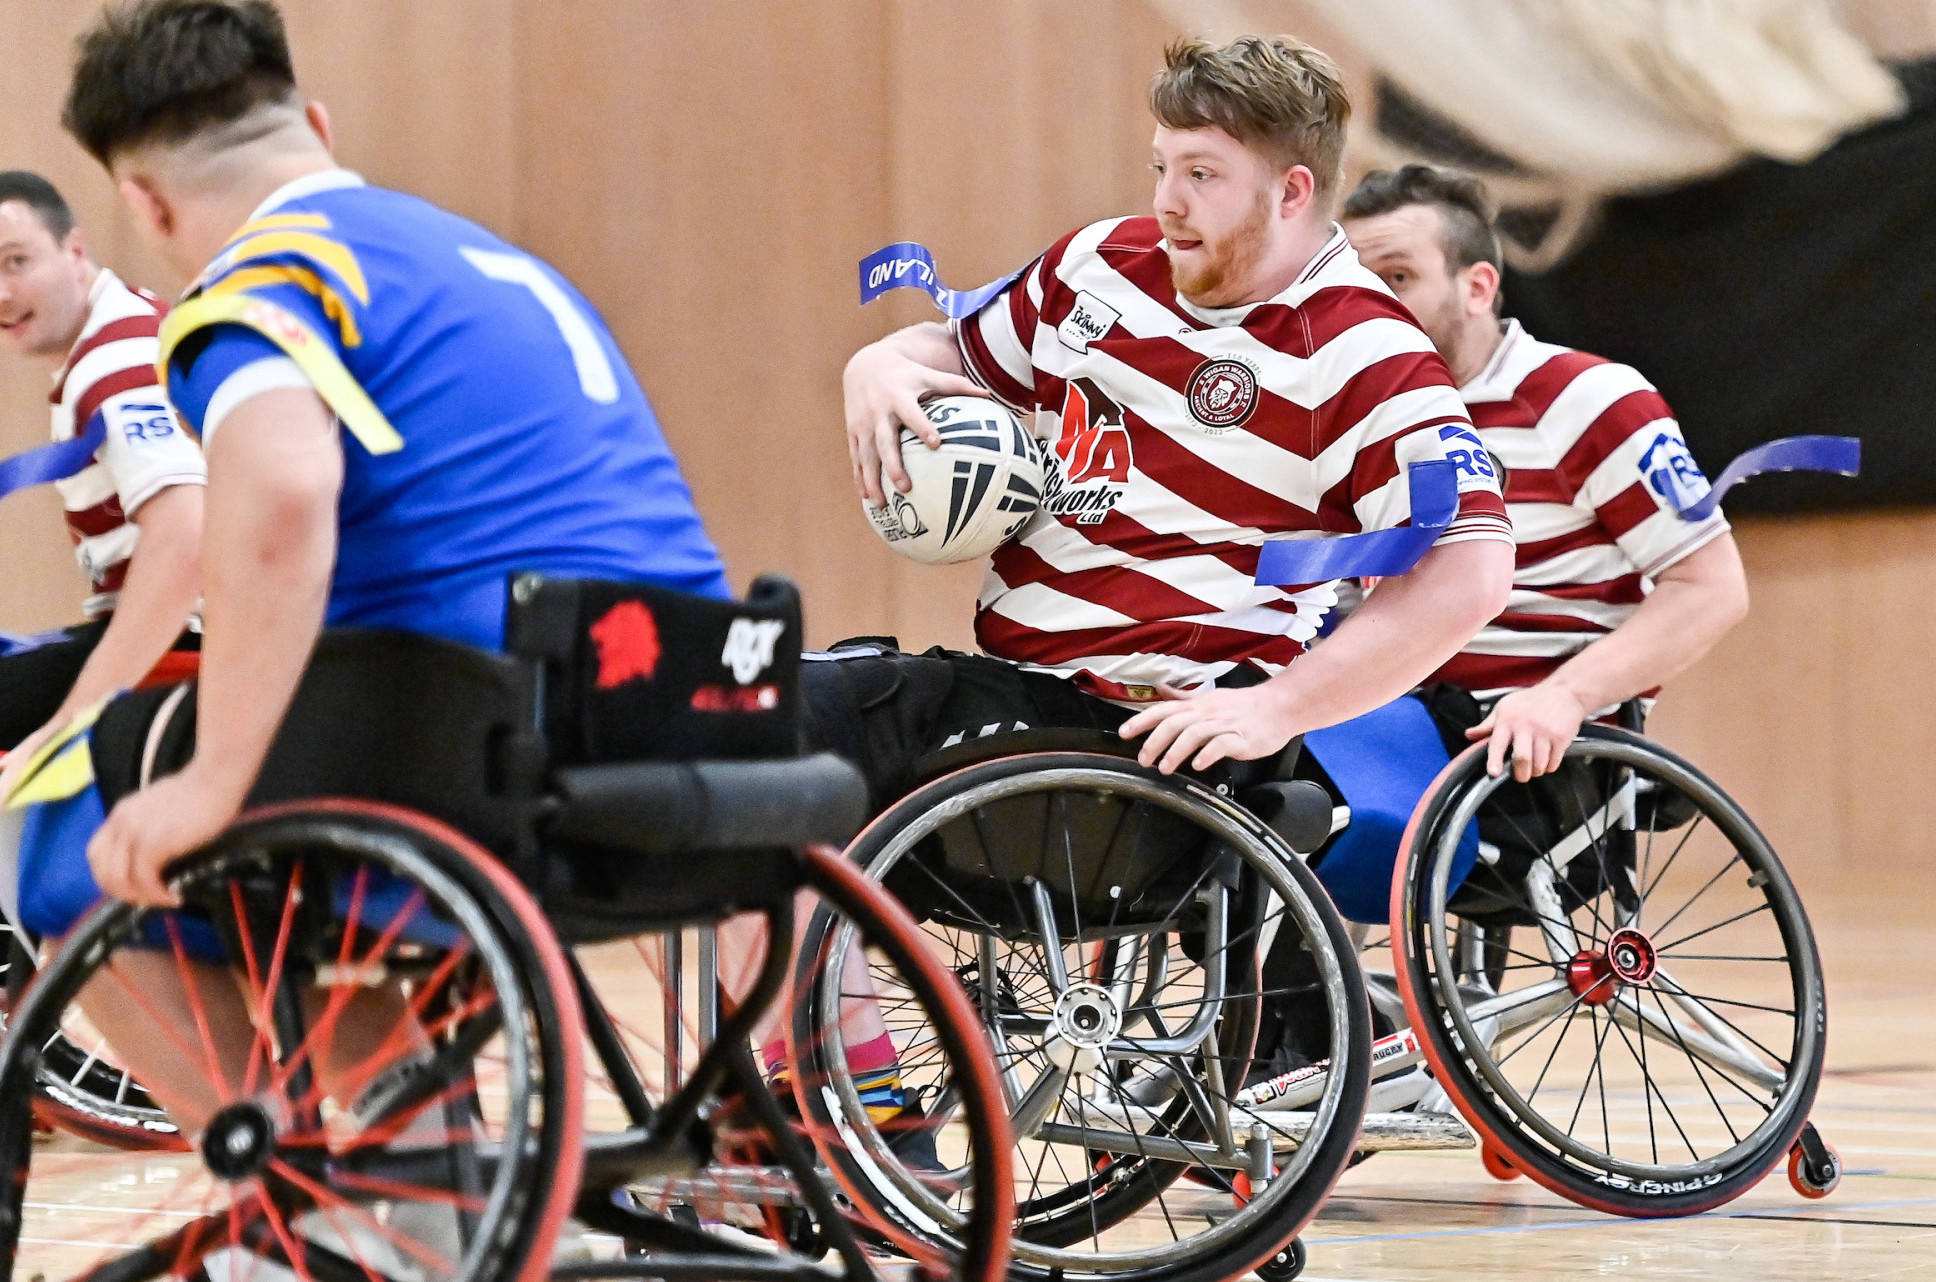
[{"x": 55, "y": 884}]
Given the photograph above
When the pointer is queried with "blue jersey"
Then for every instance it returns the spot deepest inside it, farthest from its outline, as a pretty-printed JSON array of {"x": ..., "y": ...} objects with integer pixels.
[{"x": 491, "y": 424}]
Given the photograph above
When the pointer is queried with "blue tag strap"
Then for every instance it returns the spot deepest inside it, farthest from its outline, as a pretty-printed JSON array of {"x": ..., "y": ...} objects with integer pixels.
[
  {"x": 908, "y": 265},
  {"x": 1379, "y": 553},
  {"x": 12, "y": 643},
  {"x": 54, "y": 462},
  {"x": 1841, "y": 455}
]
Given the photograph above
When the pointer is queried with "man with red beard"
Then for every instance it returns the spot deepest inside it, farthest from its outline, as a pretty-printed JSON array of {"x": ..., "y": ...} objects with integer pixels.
[{"x": 1220, "y": 374}]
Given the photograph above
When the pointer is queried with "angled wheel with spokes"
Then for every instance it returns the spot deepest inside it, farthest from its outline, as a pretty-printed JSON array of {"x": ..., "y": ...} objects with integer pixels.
[
  {"x": 370, "y": 1030},
  {"x": 1650, "y": 1038},
  {"x": 1108, "y": 923},
  {"x": 81, "y": 1089}
]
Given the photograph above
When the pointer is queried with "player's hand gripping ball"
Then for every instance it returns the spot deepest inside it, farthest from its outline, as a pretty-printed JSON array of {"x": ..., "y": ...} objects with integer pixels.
[{"x": 968, "y": 496}]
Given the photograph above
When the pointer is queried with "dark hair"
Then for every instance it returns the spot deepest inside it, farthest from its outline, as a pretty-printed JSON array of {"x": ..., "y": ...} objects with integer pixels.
[
  {"x": 1276, "y": 95},
  {"x": 39, "y": 195},
  {"x": 1465, "y": 213},
  {"x": 165, "y": 70}
]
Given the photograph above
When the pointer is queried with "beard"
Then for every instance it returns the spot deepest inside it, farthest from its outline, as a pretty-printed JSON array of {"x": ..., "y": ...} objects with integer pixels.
[{"x": 1227, "y": 264}]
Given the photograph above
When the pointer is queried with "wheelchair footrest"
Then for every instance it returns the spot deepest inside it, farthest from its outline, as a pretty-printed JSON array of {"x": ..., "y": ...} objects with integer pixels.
[{"x": 1384, "y": 1132}]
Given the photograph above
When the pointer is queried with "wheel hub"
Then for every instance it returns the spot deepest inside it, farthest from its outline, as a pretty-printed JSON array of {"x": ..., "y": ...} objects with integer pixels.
[
  {"x": 239, "y": 1141},
  {"x": 1629, "y": 958},
  {"x": 1086, "y": 1017},
  {"x": 1632, "y": 956}
]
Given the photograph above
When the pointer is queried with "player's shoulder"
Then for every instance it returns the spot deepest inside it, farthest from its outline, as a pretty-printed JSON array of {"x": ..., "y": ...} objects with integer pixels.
[
  {"x": 117, "y": 310},
  {"x": 1110, "y": 240},
  {"x": 117, "y": 342},
  {"x": 1336, "y": 297}
]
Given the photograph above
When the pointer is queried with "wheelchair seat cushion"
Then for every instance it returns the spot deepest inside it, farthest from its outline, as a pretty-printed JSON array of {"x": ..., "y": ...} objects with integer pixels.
[{"x": 1381, "y": 764}]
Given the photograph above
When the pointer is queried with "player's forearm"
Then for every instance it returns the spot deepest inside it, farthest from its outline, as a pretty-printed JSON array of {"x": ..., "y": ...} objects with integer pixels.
[
  {"x": 1693, "y": 605},
  {"x": 929, "y": 344},
  {"x": 1402, "y": 633},
  {"x": 163, "y": 579}
]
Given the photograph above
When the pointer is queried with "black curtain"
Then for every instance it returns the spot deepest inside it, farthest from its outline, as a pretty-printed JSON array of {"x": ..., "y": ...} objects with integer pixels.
[{"x": 1777, "y": 300}]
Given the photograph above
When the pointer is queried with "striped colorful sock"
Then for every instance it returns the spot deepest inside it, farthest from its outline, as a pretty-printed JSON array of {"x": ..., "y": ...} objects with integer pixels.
[
  {"x": 880, "y": 1090},
  {"x": 876, "y": 1069}
]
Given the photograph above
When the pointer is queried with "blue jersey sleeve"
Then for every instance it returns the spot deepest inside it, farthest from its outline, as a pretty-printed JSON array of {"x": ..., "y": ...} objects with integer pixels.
[{"x": 206, "y": 361}]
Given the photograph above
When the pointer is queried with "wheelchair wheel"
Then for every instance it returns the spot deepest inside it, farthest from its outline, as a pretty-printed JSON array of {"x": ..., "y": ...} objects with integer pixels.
[
  {"x": 951, "y": 1137},
  {"x": 81, "y": 1089},
  {"x": 739, "y": 1177},
  {"x": 1644, "y": 1034},
  {"x": 1109, "y": 923},
  {"x": 370, "y": 1028}
]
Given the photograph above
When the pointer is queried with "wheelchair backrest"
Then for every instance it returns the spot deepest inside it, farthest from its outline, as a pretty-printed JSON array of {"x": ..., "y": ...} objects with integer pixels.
[{"x": 635, "y": 672}]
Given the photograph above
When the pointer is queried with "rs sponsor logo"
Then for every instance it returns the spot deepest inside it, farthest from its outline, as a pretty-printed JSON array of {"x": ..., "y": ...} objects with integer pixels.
[
  {"x": 1465, "y": 452},
  {"x": 145, "y": 422},
  {"x": 1672, "y": 473}
]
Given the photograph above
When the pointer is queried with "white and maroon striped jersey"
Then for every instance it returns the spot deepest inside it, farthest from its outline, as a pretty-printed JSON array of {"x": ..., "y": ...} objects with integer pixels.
[
  {"x": 1182, "y": 438},
  {"x": 1596, "y": 473},
  {"x": 111, "y": 372}
]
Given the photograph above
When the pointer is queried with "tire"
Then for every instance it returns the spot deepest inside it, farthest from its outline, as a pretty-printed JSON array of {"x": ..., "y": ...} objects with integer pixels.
[
  {"x": 859, "y": 1154},
  {"x": 80, "y": 1092},
  {"x": 1166, "y": 851},
  {"x": 1684, "y": 931},
  {"x": 316, "y": 905}
]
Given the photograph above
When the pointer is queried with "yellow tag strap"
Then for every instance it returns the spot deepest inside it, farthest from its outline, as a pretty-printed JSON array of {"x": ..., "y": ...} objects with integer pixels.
[
  {"x": 280, "y": 222},
  {"x": 306, "y": 244},
  {"x": 335, "y": 384},
  {"x": 244, "y": 279},
  {"x": 60, "y": 767}
]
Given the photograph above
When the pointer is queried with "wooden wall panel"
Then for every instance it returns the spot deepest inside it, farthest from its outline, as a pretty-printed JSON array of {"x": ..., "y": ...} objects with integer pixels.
[
  {"x": 1815, "y": 712},
  {"x": 709, "y": 179},
  {"x": 40, "y": 586},
  {"x": 1013, "y": 123}
]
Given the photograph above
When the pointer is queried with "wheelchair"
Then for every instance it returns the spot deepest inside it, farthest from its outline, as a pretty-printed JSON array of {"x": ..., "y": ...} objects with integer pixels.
[
  {"x": 81, "y": 1089},
  {"x": 1605, "y": 972},
  {"x": 431, "y": 1085},
  {"x": 1109, "y": 924}
]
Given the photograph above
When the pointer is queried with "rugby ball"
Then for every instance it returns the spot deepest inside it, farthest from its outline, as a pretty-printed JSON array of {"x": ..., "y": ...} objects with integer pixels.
[{"x": 970, "y": 494}]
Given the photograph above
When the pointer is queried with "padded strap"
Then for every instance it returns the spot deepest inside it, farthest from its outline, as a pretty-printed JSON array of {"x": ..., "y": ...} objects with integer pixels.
[{"x": 663, "y": 807}]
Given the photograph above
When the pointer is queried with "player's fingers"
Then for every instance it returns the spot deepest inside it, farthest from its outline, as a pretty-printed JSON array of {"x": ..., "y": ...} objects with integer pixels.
[
  {"x": 148, "y": 884},
  {"x": 908, "y": 409},
  {"x": 1171, "y": 692},
  {"x": 1224, "y": 745},
  {"x": 1525, "y": 753},
  {"x": 1483, "y": 729},
  {"x": 107, "y": 859},
  {"x": 1496, "y": 752},
  {"x": 867, "y": 471},
  {"x": 1190, "y": 738},
  {"x": 887, "y": 444},
  {"x": 1144, "y": 720},
  {"x": 1159, "y": 738}
]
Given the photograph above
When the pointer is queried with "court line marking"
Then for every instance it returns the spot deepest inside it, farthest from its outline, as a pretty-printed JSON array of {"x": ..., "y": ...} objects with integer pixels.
[{"x": 1609, "y": 1220}]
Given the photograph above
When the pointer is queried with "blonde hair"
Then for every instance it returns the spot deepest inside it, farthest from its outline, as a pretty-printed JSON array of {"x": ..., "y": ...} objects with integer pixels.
[{"x": 1278, "y": 96}]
